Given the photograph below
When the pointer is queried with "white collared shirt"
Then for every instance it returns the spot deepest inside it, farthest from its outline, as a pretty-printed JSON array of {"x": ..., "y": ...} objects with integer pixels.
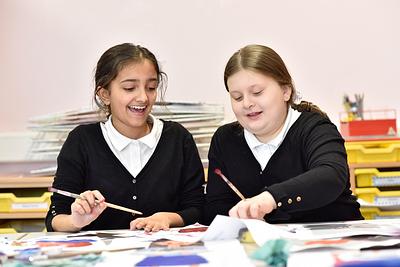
[
  {"x": 133, "y": 153},
  {"x": 263, "y": 152}
]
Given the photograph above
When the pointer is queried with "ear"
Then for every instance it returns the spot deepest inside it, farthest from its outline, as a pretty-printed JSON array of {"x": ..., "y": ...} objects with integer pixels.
[
  {"x": 287, "y": 92},
  {"x": 104, "y": 95}
]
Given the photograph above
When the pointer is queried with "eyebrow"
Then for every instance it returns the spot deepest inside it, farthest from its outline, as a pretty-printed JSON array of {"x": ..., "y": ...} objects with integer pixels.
[
  {"x": 137, "y": 80},
  {"x": 251, "y": 87}
]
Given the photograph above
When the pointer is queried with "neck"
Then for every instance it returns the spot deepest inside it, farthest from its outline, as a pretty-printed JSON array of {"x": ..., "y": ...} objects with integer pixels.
[{"x": 265, "y": 138}]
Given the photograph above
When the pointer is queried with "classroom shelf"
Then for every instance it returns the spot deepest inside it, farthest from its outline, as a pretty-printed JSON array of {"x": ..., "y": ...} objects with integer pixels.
[
  {"x": 26, "y": 182},
  {"x": 374, "y": 167},
  {"x": 27, "y": 216},
  {"x": 23, "y": 215}
]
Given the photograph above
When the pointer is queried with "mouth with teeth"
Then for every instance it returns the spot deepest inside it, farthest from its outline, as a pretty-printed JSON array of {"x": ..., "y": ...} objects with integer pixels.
[{"x": 137, "y": 109}]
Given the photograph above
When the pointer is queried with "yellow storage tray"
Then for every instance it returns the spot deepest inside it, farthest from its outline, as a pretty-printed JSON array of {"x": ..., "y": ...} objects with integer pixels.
[
  {"x": 7, "y": 231},
  {"x": 377, "y": 197},
  {"x": 22, "y": 226},
  {"x": 373, "y": 151},
  {"x": 10, "y": 203},
  {"x": 375, "y": 213},
  {"x": 373, "y": 177}
]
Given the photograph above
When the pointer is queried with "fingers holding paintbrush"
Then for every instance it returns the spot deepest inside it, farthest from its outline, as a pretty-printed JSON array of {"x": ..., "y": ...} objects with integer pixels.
[
  {"x": 95, "y": 196},
  {"x": 86, "y": 200},
  {"x": 89, "y": 202}
]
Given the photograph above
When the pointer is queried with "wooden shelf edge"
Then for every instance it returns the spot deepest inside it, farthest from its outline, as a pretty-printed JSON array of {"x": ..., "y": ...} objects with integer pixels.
[
  {"x": 374, "y": 164},
  {"x": 22, "y": 215},
  {"x": 26, "y": 182}
]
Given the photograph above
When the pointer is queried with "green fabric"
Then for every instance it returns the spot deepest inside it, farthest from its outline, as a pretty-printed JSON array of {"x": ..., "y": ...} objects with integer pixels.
[{"x": 273, "y": 252}]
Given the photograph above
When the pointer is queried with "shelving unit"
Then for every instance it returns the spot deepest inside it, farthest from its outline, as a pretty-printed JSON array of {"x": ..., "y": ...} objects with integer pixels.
[
  {"x": 30, "y": 216},
  {"x": 374, "y": 166}
]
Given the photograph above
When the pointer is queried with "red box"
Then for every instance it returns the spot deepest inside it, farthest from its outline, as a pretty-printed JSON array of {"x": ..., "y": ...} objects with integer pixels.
[
  {"x": 369, "y": 127},
  {"x": 378, "y": 123}
]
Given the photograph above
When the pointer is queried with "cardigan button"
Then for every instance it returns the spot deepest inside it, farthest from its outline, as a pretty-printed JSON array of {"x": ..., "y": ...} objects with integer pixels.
[
  {"x": 134, "y": 181},
  {"x": 279, "y": 204},
  {"x": 289, "y": 201},
  {"x": 134, "y": 197},
  {"x": 298, "y": 199}
]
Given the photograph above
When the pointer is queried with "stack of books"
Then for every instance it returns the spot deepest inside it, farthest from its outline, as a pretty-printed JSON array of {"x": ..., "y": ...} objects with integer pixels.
[{"x": 200, "y": 119}]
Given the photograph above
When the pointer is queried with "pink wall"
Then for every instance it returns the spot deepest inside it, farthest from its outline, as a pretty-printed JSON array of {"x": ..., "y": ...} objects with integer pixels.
[{"x": 49, "y": 48}]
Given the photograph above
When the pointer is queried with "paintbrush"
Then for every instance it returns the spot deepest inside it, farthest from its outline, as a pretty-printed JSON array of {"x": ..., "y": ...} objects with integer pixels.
[
  {"x": 218, "y": 171},
  {"x": 69, "y": 194}
]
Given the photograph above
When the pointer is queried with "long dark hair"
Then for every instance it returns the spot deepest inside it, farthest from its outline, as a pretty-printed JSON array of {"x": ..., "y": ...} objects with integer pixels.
[{"x": 117, "y": 57}]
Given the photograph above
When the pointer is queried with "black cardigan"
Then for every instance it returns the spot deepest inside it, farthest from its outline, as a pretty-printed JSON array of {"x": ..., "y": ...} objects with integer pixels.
[
  {"x": 171, "y": 181},
  {"x": 308, "y": 174}
]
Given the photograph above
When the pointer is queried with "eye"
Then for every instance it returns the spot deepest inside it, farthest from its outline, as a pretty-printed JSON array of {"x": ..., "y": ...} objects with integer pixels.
[
  {"x": 238, "y": 98},
  {"x": 129, "y": 89},
  {"x": 152, "y": 85},
  {"x": 258, "y": 92}
]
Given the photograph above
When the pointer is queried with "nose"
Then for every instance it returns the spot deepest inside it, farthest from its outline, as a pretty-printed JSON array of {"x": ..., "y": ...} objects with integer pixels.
[
  {"x": 247, "y": 102},
  {"x": 141, "y": 95}
]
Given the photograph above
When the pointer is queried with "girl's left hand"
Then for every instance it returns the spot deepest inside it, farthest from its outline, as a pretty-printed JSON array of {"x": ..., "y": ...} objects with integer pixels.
[
  {"x": 154, "y": 223},
  {"x": 254, "y": 208}
]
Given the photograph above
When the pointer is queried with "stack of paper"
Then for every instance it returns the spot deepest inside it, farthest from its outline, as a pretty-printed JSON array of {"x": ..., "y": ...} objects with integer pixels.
[
  {"x": 200, "y": 119},
  {"x": 51, "y": 130}
]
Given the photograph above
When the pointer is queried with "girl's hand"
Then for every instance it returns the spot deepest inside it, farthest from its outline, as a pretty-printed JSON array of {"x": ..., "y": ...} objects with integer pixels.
[
  {"x": 86, "y": 210},
  {"x": 156, "y": 222},
  {"x": 254, "y": 208}
]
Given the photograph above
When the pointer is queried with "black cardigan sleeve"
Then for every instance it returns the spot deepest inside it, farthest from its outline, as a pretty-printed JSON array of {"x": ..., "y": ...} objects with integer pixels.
[
  {"x": 327, "y": 175},
  {"x": 191, "y": 192},
  {"x": 69, "y": 176},
  {"x": 219, "y": 197}
]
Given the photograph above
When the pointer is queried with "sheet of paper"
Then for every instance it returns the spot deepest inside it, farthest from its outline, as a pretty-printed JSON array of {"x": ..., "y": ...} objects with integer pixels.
[
  {"x": 224, "y": 227},
  {"x": 216, "y": 253}
]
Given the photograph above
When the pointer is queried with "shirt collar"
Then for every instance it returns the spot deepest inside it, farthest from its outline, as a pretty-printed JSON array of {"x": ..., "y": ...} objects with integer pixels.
[
  {"x": 253, "y": 142},
  {"x": 120, "y": 141}
]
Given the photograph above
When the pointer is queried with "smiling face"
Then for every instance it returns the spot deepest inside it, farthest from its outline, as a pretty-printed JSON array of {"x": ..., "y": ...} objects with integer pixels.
[
  {"x": 131, "y": 96},
  {"x": 259, "y": 103}
]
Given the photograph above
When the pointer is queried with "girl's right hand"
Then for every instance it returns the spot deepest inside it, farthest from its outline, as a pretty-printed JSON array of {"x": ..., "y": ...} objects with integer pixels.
[{"x": 86, "y": 210}]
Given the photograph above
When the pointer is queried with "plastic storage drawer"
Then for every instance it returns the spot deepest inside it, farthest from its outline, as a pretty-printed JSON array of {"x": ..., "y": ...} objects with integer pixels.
[
  {"x": 7, "y": 231},
  {"x": 373, "y": 177},
  {"x": 377, "y": 197},
  {"x": 10, "y": 203},
  {"x": 375, "y": 213},
  {"x": 373, "y": 151}
]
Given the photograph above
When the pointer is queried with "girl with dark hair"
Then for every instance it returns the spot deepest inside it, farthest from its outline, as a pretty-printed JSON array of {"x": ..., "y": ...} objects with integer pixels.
[{"x": 133, "y": 159}]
